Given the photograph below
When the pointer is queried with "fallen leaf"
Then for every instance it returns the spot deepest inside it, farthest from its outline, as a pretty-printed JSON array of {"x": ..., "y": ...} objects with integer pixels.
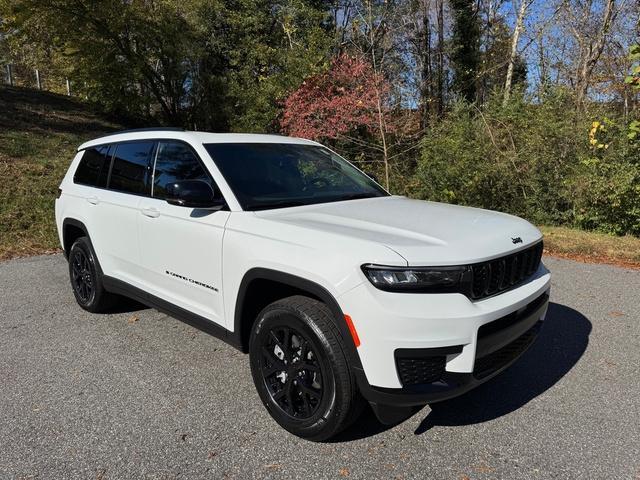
[
  {"x": 212, "y": 454},
  {"x": 483, "y": 468},
  {"x": 343, "y": 472},
  {"x": 616, "y": 313},
  {"x": 272, "y": 466},
  {"x": 133, "y": 319}
]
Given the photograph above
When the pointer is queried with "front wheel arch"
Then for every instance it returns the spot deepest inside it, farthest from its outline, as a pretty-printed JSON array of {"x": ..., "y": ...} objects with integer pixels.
[{"x": 282, "y": 285}]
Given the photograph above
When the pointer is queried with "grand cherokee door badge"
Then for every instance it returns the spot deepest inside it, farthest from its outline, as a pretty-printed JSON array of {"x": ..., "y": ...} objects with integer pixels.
[{"x": 190, "y": 280}]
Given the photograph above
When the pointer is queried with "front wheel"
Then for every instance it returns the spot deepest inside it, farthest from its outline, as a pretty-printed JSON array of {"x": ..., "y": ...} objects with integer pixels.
[{"x": 300, "y": 369}]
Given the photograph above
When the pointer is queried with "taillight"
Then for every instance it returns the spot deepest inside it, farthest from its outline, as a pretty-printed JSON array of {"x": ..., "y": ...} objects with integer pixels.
[{"x": 59, "y": 193}]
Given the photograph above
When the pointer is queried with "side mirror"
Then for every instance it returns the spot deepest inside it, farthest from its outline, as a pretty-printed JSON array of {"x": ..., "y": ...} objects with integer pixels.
[{"x": 193, "y": 194}]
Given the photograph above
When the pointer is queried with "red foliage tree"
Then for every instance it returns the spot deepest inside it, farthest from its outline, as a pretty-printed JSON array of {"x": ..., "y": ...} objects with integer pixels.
[{"x": 349, "y": 95}]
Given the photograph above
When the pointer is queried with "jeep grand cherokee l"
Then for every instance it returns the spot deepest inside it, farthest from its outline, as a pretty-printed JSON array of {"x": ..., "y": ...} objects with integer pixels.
[{"x": 340, "y": 292}]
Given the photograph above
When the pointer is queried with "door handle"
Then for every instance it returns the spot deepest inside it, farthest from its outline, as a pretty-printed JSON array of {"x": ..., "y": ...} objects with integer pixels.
[
  {"x": 93, "y": 200},
  {"x": 151, "y": 212}
]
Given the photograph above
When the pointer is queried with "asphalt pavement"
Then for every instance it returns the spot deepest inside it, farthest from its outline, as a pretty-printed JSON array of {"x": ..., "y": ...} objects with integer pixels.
[{"x": 137, "y": 394}]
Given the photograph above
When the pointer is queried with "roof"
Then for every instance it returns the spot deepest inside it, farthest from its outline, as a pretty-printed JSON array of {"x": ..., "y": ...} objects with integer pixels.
[{"x": 194, "y": 137}]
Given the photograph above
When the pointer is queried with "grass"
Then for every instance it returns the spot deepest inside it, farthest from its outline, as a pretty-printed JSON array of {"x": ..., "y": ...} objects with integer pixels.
[
  {"x": 592, "y": 246},
  {"x": 39, "y": 134}
]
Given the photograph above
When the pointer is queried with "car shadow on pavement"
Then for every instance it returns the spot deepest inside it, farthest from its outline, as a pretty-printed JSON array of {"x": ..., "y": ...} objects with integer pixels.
[
  {"x": 127, "y": 305},
  {"x": 562, "y": 341}
]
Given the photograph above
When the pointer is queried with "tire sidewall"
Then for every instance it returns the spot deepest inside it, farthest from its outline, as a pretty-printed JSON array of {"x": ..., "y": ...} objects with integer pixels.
[
  {"x": 83, "y": 245},
  {"x": 271, "y": 318}
]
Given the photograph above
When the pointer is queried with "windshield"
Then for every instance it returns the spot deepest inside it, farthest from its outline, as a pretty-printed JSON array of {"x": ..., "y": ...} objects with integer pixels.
[{"x": 278, "y": 175}]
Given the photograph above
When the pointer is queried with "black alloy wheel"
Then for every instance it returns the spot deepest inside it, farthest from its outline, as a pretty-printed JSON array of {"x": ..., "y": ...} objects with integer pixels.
[
  {"x": 291, "y": 372},
  {"x": 86, "y": 278},
  {"x": 81, "y": 276},
  {"x": 300, "y": 368}
]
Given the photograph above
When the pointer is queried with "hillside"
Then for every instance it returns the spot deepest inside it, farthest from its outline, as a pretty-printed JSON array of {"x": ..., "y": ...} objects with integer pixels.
[{"x": 39, "y": 133}]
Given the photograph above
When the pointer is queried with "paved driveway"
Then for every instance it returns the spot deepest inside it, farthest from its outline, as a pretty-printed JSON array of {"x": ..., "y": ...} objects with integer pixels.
[{"x": 139, "y": 394}]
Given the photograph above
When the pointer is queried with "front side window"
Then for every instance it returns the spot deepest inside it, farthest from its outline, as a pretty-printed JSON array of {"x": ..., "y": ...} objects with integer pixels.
[
  {"x": 277, "y": 175},
  {"x": 175, "y": 161},
  {"x": 94, "y": 167},
  {"x": 129, "y": 171}
]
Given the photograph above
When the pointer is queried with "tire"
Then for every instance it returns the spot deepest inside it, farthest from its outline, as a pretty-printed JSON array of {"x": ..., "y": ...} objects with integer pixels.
[
  {"x": 86, "y": 278},
  {"x": 300, "y": 369}
]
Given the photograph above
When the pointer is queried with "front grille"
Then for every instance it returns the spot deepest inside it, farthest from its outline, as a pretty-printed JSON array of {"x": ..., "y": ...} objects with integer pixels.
[
  {"x": 416, "y": 371},
  {"x": 493, "y": 362},
  {"x": 495, "y": 276}
]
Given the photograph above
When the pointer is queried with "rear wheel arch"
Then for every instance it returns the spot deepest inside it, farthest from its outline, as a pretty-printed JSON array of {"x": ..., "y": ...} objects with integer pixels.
[
  {"x": 262, "y": 286},
  {"x": 72, "y": 229}
]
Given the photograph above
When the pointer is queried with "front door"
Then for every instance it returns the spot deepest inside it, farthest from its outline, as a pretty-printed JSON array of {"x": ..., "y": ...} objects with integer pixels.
[{"x": 181, "y": 247}]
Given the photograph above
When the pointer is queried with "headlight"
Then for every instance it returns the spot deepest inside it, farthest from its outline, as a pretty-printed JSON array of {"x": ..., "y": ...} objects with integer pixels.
[{"x": 416, "y": 279}]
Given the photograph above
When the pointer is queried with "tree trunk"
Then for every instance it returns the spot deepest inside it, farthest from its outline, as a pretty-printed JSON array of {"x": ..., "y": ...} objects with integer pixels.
[
  {"x": 440, "y": 59},
  {"x": 381, "y": 122},
  {"x": 514, "y": 48},
  {"x": 592, "y": 52},
  {"x": 465, "y": 55},
  {"x": 426, "y": 94},
  {"x": 542, "y": 66},
  {"x": 383, "y": 136}
]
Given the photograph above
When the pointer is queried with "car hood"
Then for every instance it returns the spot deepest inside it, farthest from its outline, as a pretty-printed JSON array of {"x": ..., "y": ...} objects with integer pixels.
[{"x": 423, "y": 233}]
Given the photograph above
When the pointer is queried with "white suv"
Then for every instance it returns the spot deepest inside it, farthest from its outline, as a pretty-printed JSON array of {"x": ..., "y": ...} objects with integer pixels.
[{"x": 339, "y": 291}]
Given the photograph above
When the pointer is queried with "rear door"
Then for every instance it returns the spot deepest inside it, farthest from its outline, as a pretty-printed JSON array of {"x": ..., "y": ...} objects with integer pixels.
[
  {"x": 181, "y": 247},
  {"x": 116, "y": 227},
  {"x": 89, "y": 187}
]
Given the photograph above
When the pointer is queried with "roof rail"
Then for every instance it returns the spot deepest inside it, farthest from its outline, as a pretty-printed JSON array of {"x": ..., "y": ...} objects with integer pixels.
[{"x": 150, "y": 129}]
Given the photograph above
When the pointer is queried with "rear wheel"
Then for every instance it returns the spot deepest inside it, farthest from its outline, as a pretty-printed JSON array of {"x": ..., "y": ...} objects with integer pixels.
[
  {"x": 300, "y": 370},
  {"x": 85, "y": 277}
]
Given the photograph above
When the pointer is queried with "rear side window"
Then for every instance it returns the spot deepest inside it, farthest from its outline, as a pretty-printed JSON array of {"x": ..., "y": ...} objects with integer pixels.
[
  {"x": 129, "y": 172},
  {"x": 175, "y": 161},
  {"x": 94, "y": 167}
]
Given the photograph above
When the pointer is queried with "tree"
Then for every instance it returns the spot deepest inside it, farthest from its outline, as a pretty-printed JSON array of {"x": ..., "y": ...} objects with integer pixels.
[
  {"x": 591, "y": 49},
  {"x": 335, "y": 103},
  {"x": 465, "y": 55},
  {"x": 517, "y": 29},
  {"x": 261, "y": 50},
  {"x": 590, "y": 24},
  {"x": 440, "y": 75},
  {"x": 427, "y": 47},
  {"x": 211, "y": 64},
  {"x": 421, "y": 10},
  {"x": 633, "y": 80}
]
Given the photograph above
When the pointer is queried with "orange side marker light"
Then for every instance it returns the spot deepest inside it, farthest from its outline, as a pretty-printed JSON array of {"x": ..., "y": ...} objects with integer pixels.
[{"x": 352, "y": 330}]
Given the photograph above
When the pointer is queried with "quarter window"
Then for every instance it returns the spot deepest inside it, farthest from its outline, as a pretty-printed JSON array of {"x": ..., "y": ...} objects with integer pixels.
[
  {"x": 94, "y": 167},
  {"x": 130, "y": 167},
  {"x": 175, "y": 161}
]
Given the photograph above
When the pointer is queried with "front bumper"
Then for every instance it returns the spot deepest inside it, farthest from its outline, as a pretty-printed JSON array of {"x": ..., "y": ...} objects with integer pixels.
[
  {"x": 452, "y": 384},
  {"x": 469, "y": 341}
]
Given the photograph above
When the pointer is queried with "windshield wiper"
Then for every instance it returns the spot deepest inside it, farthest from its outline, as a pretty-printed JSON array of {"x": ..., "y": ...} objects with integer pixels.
[
  {"x": 299, "y": 203},
  {"x": 279, "y": 204},
  {"x": 356, "y": 196}
]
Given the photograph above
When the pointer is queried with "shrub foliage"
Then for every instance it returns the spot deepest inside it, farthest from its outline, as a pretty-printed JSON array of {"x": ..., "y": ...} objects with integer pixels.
[{"x": 540, "y": 160}]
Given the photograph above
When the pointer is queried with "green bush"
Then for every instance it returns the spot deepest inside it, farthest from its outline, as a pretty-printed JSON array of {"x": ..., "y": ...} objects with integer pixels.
[
  {"x": 607, "y": 183},
  {"x": 535, "y": 160}
]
